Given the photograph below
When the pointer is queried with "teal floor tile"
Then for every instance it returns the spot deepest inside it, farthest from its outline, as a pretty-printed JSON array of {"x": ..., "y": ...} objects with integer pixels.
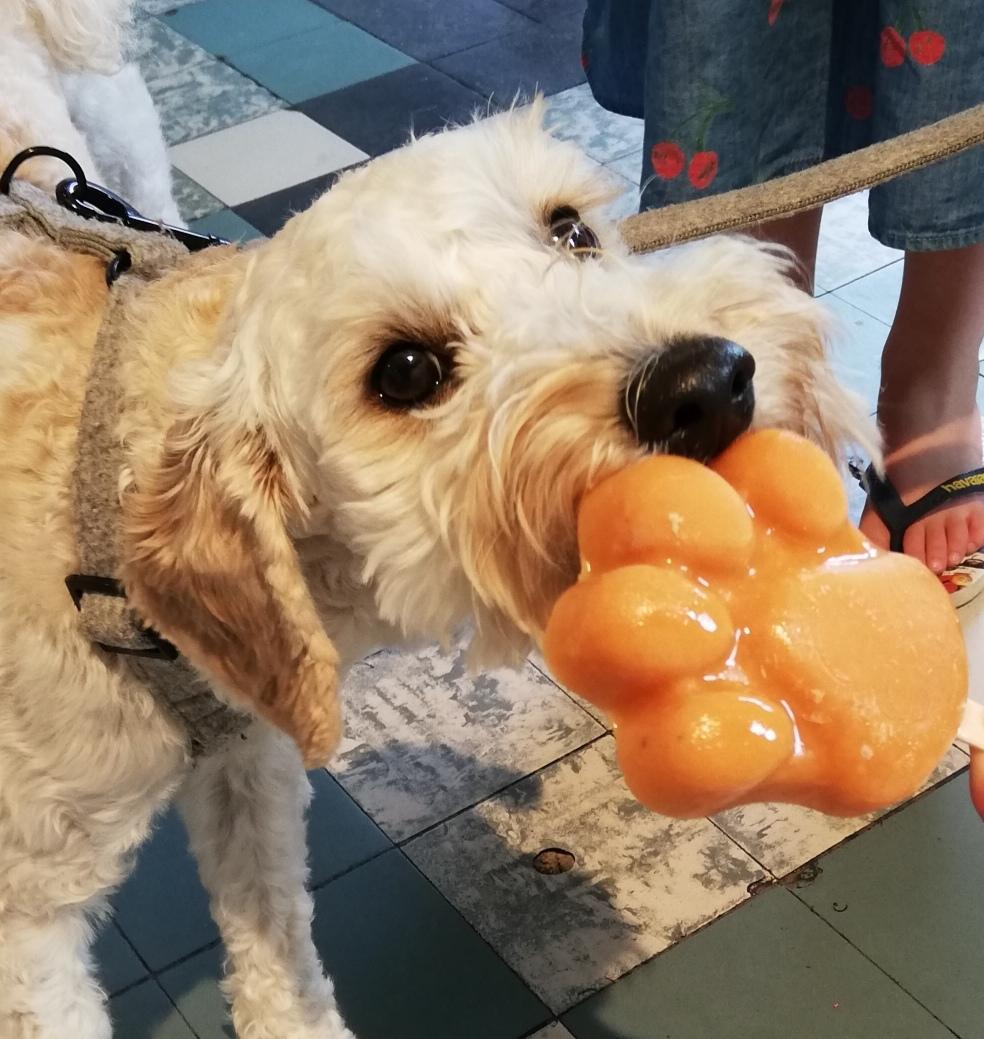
[
  {"x": 116, "y": 963},
  {"x": 319, "y": 61},
  {"x": 770, "y": 970},
  {"x": 405, "y": 965},
  {"x": 162, "y": 908},
  {"x": 225, "y": 26},
  {"x": 226, "y": 224},
  {"x": 340, "y": 835},
  {"x": 908, "y": 894},
  {"x": 144, "y": 1012},
  {"x": 194, "y": 987}
]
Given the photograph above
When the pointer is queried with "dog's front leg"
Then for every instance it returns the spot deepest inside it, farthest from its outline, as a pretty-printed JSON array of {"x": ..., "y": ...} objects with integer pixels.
[{"x": 244, "y": 809}]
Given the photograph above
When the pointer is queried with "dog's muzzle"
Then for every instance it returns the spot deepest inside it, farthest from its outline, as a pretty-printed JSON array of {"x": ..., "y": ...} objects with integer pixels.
[{"x": 692, "y": 398}]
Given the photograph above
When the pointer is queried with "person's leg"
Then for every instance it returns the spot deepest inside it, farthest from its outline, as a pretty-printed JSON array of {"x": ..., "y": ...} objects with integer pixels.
[
  {"x": 927, "y": 406},
  {"x": 799, "y": 233}
]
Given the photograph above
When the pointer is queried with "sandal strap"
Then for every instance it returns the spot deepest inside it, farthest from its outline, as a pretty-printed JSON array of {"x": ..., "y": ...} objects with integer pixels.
[{"x": 898, "y": 517}]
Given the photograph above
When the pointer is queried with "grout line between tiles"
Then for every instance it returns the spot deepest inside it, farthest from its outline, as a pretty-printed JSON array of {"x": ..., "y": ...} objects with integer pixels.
[
  {"x": 876, "y": 965},
  {"x": 402, "y": 843},
  {"x": 747, "y": 900},
  {"x": 851, "y": 281}
]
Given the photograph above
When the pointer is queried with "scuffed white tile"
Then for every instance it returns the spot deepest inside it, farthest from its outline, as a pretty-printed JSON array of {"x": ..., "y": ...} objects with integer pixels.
[
  {"x": 784, "y": 837},
  {"x": 160, "y": 51},
  {"x": 247, "y": 161},
  {"x": 160, "y": 6},
  {"x": 553, "y": 1031},
  {"x": 426, "y": 739},
  {"x": 846, "y": 249},
  {"x": 207, "y": 97},
  {"x": 193, "y": 200},
  {"x": 537, "y": 660},
  {"x": 641, "y": 881},
  {"x": 574, "y": 115}
]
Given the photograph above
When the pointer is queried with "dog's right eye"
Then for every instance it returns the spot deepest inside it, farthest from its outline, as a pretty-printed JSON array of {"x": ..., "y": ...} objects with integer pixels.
[{"x": 408, "y": 375}]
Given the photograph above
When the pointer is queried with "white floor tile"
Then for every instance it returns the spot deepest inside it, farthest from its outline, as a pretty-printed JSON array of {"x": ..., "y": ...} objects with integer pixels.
[
  {"x": 857, "y": 347},
  {"x": 784, "y": 837},
  {"x": 629, "y": 166},
  {"x": 876, "y": 294},
  {"x": 640, "y": 883},
  {"x": 426, "y": 739},
  {"x": 262, "y": 156},
  {"x": 846, "y": 249},
  {"x": 627, "y": 203}
]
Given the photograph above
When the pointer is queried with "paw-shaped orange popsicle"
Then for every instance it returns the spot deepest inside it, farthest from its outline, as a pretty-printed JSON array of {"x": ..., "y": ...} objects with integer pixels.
[{"x": 749, "y": 644}]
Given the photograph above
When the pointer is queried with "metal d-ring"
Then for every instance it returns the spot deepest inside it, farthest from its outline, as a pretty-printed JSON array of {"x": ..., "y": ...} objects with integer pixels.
[
  {"x": 30, "y": 153},
  {"x": 119, "y": 264}
]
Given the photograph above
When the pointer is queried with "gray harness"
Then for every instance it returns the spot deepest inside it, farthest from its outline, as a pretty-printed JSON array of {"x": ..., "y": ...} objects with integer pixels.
[{"x": 134, "y": 259}]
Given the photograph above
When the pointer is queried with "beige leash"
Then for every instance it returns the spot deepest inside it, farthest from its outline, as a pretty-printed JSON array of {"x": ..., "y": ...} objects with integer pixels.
[{"x": 806, "y": 189}]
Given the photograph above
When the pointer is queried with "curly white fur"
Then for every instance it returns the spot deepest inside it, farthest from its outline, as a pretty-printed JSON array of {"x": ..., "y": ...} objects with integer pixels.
[
  {"x": 64, "y": 82},
  {"x": 266, "y": 480}
]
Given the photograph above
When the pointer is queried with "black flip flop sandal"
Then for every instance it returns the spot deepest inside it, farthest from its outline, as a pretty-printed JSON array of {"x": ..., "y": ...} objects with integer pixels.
[{"x": 965, "y": 581}]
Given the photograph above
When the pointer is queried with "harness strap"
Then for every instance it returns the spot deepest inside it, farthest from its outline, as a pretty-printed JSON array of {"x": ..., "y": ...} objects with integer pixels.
[
  {"x": 805, "y": 189},
  {"x": 106, "y": 616}
]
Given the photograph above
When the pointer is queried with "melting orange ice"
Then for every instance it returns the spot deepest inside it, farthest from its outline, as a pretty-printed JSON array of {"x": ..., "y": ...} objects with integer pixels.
[{"x": 749, "y": 644}]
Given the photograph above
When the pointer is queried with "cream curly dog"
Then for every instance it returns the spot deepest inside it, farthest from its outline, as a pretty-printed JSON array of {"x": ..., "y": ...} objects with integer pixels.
[{"x": 372, "y": 429}]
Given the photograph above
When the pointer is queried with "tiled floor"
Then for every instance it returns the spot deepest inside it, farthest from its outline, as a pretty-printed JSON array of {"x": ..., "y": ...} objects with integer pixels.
[{"x": 430, "y": 913}]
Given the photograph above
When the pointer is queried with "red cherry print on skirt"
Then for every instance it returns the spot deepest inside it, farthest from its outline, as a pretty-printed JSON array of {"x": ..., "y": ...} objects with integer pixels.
[
  {"x": 667, "y": 159},
  {"x": 891, "y": 47},
  {"x": 926, "y": 47},
  {"x": 859, "y": 102},
  {"x": 775, "y": 6},
  {"x": 585, "y": 62},
  {"x": 702, "y": 169}
]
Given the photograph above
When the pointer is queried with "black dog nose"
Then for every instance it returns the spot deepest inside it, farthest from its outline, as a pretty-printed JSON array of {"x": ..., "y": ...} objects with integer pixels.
[{"x": 693, "y": 398}]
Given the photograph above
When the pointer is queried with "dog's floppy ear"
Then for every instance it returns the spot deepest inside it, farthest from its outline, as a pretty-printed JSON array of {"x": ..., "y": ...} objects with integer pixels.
[{"x": 210, "y": 565}]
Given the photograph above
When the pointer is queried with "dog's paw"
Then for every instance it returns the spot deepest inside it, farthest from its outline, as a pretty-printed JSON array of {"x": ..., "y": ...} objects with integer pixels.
[{"x": 749, "y": 644}]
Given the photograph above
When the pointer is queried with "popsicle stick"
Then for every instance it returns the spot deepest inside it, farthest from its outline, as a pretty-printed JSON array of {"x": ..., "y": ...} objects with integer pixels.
[{"x": 972, "y": 727}]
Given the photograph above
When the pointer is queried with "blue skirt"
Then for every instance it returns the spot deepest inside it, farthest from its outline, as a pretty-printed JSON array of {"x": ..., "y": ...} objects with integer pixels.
[{"x": 734, "y": 92}]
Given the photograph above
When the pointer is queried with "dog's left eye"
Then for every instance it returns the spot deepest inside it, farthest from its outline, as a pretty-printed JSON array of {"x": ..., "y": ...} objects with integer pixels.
[
  {"x": 408, "y": 374},
  {"x": 568, "y": 231}
]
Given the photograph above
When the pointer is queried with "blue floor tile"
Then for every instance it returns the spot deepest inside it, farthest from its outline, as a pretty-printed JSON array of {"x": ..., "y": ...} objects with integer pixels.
[
  {"x": 769, "y": 970},
  {"x": 428, "y": 29},
  {"x": 144, "y": 1012},
  {"x": 549, "y": 10},
  {"x": 117, "y": 964},
  {"x": 405, "y": 965},
  {"x": 379, "y": 114},
  {"x": 270, "y": 212},
  {"x": 318, "y": 61},
  {"x": 162, "y": 908},
  {"x": 340, "y": 835},
  {"x": 225, "y": 224},
  {"x": 544, "y": 57},
  {"x": 907, "y": 894},
  {"x": 226, "y": 26}
]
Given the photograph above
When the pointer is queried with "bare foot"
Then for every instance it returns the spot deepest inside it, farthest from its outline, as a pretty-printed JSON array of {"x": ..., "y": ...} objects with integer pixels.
[
  {"x": 945, "y": 536},
  {"x": 927, "y": 405}
]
